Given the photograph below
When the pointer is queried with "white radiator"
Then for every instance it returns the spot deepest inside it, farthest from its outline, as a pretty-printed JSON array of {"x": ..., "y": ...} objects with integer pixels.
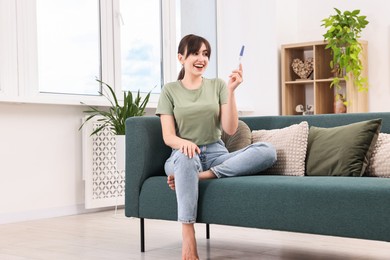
[{"x": 104, "y": 185}]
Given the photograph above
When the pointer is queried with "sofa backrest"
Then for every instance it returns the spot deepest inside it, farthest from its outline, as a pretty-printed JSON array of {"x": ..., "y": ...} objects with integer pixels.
[
  {"x": 324, "y": 120},
  {"x": 146, "y": 152}
]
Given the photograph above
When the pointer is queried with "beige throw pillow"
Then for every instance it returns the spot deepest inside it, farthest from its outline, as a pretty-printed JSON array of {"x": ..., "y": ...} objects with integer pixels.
[
  {"x": 380, "y": 159},
  {"x": 290, "y": 144}
]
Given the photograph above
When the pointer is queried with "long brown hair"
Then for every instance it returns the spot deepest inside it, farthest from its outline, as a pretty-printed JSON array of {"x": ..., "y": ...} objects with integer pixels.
[{"x": 191, "y": 44}]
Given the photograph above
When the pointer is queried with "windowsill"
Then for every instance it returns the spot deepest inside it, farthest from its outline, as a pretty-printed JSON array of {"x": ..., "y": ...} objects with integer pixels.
[
  {"x": 73, "y": 100},
  {"x": 80, "y": 100}
]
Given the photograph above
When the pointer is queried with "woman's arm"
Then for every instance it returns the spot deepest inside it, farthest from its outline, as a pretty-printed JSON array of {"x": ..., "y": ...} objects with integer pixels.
[
  {"x": 229, "y": 114},
  {"x": 171, "y": 139}
]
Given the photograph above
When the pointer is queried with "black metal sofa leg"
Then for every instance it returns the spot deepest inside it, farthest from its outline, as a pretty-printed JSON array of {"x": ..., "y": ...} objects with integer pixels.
[
  {"x": 142, "y": 222},
  {"x": 207, "y": 231}
]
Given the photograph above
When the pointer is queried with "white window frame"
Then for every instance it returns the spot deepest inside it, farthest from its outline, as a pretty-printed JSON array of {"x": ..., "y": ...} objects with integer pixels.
[
  {"x": 18, "y": 49},
  {"x": 8, "y": 48}
]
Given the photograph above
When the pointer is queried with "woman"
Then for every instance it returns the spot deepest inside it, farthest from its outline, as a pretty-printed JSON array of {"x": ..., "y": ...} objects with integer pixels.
[{"x": 192, "y": 111}]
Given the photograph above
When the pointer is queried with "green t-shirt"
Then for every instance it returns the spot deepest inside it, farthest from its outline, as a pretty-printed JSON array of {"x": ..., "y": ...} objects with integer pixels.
[{"x": 196, "y": 112}]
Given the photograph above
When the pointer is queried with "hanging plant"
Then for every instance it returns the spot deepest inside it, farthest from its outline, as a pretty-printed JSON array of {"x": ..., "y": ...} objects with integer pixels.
[{"x": 343, "y": 35}]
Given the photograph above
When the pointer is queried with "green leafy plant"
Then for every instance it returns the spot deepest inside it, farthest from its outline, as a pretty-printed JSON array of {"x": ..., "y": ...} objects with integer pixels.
[
  {"x": 342, "y": 36},
  {"x": 115, "y": 117}
]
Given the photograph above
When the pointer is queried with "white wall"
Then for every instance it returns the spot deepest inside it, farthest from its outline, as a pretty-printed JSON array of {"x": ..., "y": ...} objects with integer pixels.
[
  {"x": 308, "y": 15},
  {"x": 40, "y": 154},
  {"x": 253, "y": 24}
]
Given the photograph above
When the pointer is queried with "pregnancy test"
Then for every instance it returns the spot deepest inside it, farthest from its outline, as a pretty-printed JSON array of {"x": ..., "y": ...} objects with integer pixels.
[{"x": 241, "y": 54}]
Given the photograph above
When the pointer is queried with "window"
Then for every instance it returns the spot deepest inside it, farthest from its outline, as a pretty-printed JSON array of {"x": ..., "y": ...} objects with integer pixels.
[
  {"x": 69, "y": 55},
  {"x": 68, "y": 37},
  {"x": 141, "y": 45},
  {"x": 69, "y": 49},
  {"x": 54, "y": 49}
]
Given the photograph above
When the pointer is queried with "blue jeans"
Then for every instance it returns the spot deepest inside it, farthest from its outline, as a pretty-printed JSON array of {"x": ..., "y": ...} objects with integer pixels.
[{"x": 215, "y": 157}]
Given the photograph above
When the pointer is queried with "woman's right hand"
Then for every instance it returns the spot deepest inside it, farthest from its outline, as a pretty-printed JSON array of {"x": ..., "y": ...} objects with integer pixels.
[{"x": 188, "y": 148}]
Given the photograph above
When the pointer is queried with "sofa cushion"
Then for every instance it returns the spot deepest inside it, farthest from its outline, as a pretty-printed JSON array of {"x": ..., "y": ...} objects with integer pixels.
[
  {"x": 327, "y": 205},
  {"x": 240, "y": 139},
  {"x": 379, "y": 163},
  {"x": 343, "y": 150},
  {"x": 290, "y": 144}
]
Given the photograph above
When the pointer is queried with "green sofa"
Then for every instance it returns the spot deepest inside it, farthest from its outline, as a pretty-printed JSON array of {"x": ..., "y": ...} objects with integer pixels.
[{"x": 356, "y": 207}]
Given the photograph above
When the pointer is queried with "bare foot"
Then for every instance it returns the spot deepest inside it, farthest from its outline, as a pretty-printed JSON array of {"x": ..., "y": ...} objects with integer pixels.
[
  {"x": 189, "y": 248},
  {"x": 207, "y": 175},
  {"x": 202, "y": 176},
  {"x": 171, "y": 182}
]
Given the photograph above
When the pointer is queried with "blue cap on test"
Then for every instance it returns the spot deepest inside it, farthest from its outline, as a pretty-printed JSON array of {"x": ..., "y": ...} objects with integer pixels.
[{"x": 242, "y": 50}]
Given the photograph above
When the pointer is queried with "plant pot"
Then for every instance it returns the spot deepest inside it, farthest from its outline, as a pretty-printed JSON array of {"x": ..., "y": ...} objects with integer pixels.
[
  {"x": 338, "y": 105},
  {"x": 120, "y": 151}
]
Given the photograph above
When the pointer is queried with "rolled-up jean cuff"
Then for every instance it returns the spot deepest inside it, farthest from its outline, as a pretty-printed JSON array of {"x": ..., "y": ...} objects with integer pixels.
[
  {"x": 186, "y": 221},
  {"x": 215, "y": 173}
]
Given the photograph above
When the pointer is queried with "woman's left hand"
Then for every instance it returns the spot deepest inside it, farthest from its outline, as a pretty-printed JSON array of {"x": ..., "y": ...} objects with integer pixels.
[{"x": 235, "y": 79}]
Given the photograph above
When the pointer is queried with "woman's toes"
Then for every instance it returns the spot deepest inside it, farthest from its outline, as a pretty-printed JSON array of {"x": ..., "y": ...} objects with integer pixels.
[{"x": 171, "y": 182}]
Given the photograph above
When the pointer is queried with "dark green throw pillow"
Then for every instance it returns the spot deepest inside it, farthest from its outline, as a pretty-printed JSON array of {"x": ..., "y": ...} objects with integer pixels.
[
  {"x": 241, "y": 139},
  {"x": 343, "y": 150}
]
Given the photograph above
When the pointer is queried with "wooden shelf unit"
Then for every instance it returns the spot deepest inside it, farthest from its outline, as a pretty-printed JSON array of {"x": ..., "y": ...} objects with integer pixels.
[{"x": 316, "y": 90}]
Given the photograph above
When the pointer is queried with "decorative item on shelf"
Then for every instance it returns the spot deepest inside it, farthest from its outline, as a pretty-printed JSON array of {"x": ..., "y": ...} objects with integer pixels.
[
  {"x": 309, "y": 110},
  {"x": 340, "y": 104},
  {"x": 342, "y": 38},
  {"x": 303, "y": 69},
  {"x": 115, "y": 116}
]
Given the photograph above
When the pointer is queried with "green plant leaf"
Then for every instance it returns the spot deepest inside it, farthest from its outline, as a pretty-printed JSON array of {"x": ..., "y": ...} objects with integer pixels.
[
  {"x": 342, "y": 36},
  {"x": 355, "y": 12},
  {"x": 115, "y": 116}
]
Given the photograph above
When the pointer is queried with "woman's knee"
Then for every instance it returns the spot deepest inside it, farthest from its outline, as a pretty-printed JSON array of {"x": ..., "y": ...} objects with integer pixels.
[
  {"x": 185, "y": 163},
  {"x": 267, "y": 151},
  {"x": 180, "y": 157}
]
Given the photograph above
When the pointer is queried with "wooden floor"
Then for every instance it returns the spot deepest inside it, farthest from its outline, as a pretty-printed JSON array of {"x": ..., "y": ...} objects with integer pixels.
[{"x": 106, "y": 235}]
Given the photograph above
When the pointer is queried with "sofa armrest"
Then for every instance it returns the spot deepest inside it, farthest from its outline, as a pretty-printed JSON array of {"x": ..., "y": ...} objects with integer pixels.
[{"x": 146, "y": 154}]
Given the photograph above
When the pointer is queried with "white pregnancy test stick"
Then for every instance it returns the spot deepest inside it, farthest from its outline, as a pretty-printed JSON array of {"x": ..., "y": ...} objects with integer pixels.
[{"x": 241, "y": 54}]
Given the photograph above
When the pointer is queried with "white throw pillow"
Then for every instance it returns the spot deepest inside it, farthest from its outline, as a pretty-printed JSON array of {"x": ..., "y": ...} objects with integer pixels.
[
  {"x": 290, "y": 144},
  {"x": 379, "y": 163}
]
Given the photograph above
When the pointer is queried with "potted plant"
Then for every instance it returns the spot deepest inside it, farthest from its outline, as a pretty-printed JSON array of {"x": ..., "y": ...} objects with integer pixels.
[
  {"x": 115, "y": 116},
  {"x": 342, "y": 38}
]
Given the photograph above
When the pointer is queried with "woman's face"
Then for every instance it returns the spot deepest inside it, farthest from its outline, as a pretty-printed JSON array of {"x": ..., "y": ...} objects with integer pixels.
[{"x": 196, "y": 63}]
